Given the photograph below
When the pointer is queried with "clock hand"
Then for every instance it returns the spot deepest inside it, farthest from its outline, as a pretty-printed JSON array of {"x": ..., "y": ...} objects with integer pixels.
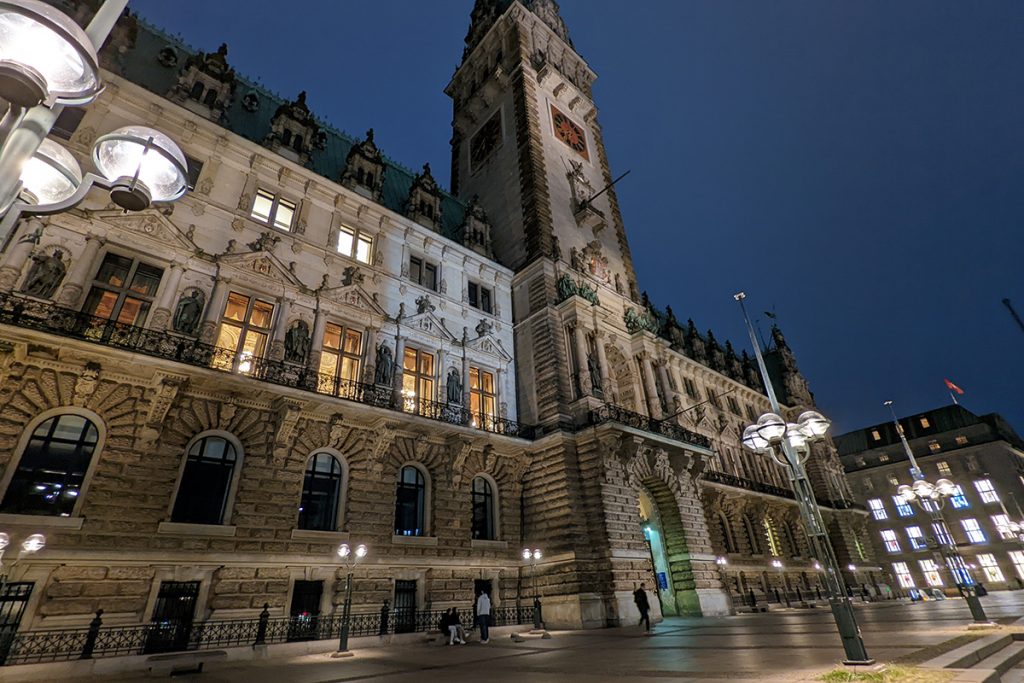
[{"x": 586, "y": 202}]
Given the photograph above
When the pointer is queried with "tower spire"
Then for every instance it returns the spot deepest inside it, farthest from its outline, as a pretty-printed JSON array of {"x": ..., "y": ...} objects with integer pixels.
[{"x": 486, "y": 12}]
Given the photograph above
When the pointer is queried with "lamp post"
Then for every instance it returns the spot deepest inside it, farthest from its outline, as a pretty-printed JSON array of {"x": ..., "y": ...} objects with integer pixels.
[
  {"x": 532, "y": 556},
  {"x": 350, "y": 557},
  {"x": 931, "y": 497},
  {"x": 30, "y": 545},
  {"x": 789, "y": 445}
]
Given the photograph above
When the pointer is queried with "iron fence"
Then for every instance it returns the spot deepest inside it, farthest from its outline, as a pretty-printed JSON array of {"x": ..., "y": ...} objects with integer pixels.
[
  {"x": 609, "y": 412},
  {"x": 96, "y": 640},
  {"x": 44, "y": 316}
]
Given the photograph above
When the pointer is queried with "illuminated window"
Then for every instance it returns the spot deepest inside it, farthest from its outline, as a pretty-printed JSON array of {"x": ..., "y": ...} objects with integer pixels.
[
  {"x": 903, "y": 508},
  {"x": 987, "y": 491},
  {"x": 961, "y": 576},
  {"x": 339, "y": 362},
  {"x": 925, "y": 423},
  {"x": 123, "y": 290},
  {"x": 958, "y": 499},
  {"x": 271, "y": 209},
  {"x": 773, "y": 541},
  {"x": 1002, "y": 525},
  {"x": 482, "y": 398},
  {"x": 931, "y": 572},
  {"x": 944, "y": 468},
  {"x": 877, "y": 508},
  {"x": 942, "y": 533},
  {"x": 875, "y": 435},
  {"x": 894, "y": 480},
  {"x": 417, "y": 380},
  {"x": 480, "y": 297},
  {"x": 934, "y": 446},
  {"x": 973, "y": 531},
  {"x": 244, "y": 330},
  {"x": 902, "y": 572},
  {"x": 355, "y": 244},
  {"x": 884, "y": 457},
  {"x": 916, "y": 537},
  {"x": 892, "y": 544},
  {"x": 991, "y": 568},
  {"x": 961, "y": 440},
  {"x": 1017, "y": 557}
]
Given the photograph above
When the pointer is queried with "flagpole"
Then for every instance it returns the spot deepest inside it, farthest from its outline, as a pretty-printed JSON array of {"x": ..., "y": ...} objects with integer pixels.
[{"x": 952, "y": 396}]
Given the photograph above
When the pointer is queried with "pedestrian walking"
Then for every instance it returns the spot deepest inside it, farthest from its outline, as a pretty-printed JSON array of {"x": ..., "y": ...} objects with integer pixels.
[
  {"x": 483, "y": 615},
  {"x": 640, "y": 598}
]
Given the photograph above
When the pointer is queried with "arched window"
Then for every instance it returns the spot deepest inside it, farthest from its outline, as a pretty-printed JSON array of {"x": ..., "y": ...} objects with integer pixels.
[
  {"x": 752, "y": 537},
  {"x": 206, "y": 482},
  {"x": 727, "y": 539},
  {"x": 410, "y": 501},
  {"x": 297, "y": 143},
  {"x": 321, "y": 493},
  {"x": 211, "y": 98},
  {"x": 789, "y": 545},
  {"x": 286, "y": 137},
  {"x": 197, "y": 91},
  {"x": 49, "y": 476},
  {"x": 769, "y": 533},
  {"x": 483, "y": 510}
]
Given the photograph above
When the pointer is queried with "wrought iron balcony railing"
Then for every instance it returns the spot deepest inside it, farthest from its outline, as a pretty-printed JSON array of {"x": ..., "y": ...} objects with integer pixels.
[
  {"x": 28, "y": 313},
  {"x": 612, "y": 413},
  {"x": 748, "y": 484}
]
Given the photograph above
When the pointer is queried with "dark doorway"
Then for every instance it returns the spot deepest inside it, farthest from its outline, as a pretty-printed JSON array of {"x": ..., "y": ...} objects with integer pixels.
[
  {"x": 482, "y": 586},
  {"x": 305, "y": 611},
  {"x": 171, "y": 627},
  {"x": 13, "y": 600},
  {"x": 405, "y": 606}
]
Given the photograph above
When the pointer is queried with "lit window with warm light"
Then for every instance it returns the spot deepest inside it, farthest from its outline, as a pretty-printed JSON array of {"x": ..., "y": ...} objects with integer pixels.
[
  {"x": 244, "y": 331},
  {"x": 273, "y": 210},
  {"x": 355, "y": 244}
]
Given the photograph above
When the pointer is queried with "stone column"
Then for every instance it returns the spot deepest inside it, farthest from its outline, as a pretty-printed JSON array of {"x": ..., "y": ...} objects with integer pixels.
[
  {"x": 441, "y": 394},
  {"x": 606, "y": 380},
  {"x": 370, "y": 355},
  {"x": 316, "y": 346},
  {"x": 18, "y": 254},
  {"x": 284, "y": 309},
  {"x": 465, "y": 380},
  {"x": 583, "y": 376},
  {"x": 165, "y": 304},
  {"x": 650, "y": 390},
  {"x": 74, "y": 283},
  {"x": 214, "y": 310},
  {"x": 399, "y": 370}
]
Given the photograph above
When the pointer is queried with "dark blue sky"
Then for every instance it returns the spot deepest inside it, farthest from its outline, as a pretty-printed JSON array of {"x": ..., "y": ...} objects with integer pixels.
[{"x": 855, "y": 165}]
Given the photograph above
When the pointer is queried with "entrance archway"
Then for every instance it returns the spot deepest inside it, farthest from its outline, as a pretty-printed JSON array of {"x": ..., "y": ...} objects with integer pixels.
[{"x": 654, "y": 534}]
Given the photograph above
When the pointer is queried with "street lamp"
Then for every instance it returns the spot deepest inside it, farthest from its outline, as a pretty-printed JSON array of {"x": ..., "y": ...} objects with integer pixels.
[
  {"x": 532, "y": 556},
  {"x": 30, "y": 545},
  {"x": 350, "y": 557},
  {"x": 789, "y": 444},
  {"x": 931, "y": 497}
]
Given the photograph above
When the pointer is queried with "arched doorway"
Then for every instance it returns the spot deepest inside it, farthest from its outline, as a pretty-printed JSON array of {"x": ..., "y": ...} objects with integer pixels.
[{"x": 654, "y": 534}]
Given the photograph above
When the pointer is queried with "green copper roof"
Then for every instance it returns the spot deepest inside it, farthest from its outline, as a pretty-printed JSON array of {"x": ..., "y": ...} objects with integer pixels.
[{"x": 140, "y": 64}]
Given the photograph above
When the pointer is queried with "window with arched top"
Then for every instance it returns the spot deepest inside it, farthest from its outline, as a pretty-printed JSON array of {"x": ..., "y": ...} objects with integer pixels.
[
  {"x": 51, "y": 471},
  {"x": 211, "y": 98},
  {"x": 321, "y": 493},
  {"x": 727, "y": 539},
  {"x": 484, "y": 526},
  {"x": 752, "y": 537},
  {"x": 196, "y": 93},
  {"x": 207, "y": 481},
  {"x": 410, "y": 502}
]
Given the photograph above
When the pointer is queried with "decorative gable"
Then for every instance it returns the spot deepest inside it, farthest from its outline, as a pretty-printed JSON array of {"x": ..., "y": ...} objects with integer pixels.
[
  {"x": 476, "y": 230},
  {"x": 259, "y": 264},
  {"x": 206, "y": 84},
  {"x": 424, "y": 203},
  {"x": 294, "y": 132},
  {"x": 355, "y": 296},
  {"x": 151, "y": 226},
  {"x": 364, "y": 169},
  {"x": 429, "y": 322}
]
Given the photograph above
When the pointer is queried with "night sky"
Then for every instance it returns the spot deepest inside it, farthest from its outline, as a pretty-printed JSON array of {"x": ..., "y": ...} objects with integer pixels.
[{"x": 855, "y": 166}]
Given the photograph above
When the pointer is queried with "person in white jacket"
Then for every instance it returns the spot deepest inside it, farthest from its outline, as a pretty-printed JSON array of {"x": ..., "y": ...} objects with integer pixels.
[{"x": 483, "y": 615}]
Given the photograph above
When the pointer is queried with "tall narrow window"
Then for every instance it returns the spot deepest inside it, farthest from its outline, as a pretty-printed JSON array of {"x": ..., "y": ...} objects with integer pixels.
[
  {"x": 892, "y": 544},
  {"x": 916, "y": 537},
  {"x": 423, "y": 273},
  {"x": 409, "y": 502},
  {"x": 339, "y": 362},
  {"x": 483, "y": 510},
  {"x": 123, "y": 290},
  {"x": 973, "y": 531},
  {"x": 958, "y": 567},
  {"x": 931, "y": 572},
  {"x": 205, "y": 482},
  {"x": 1017, "y": 558},
  {"x": 987, "y": 491},
  {"x": 903, "y": 508},
  {"x": 755, "y": 545},
  {"x": 877, "y": 508},
  {"x": 903, "y": 574},
  {"x": 958, "y": 499},
  {"x": 991, "y": 568},
  {"x": 769, "y": 533},
  {"x": 941, "y": 532},
  {"x": 1002, "y": 525},
  {"x": 355, "y": 244},
  {"x": 482, "y": 399},
  {"x": 417, "y": 380},
  {"x": 479, "y": 297},
  {"x": 244, "y": 331},
  {"x": 48, "y": 478},
  {"x": 321, "y": 493},
  {"x": 727, "y": 539},
  {"x": 273, "y": 210}
]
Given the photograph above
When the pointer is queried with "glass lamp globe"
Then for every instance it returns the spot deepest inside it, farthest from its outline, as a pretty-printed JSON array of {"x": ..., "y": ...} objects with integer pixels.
[
  {"x": 344, "y": 550},
  {"x": 527, "y": 554},
  {"x": 771, "y": 427},
  {"x": 797, "y": 438},
  {"x": 813, "y": 424},
  {"x": 44, "y": 56},
  {"x": 145, "y": 165},
  {"x": 361, "y": 551},
  {"x": 944, "y": 487},
  {"x": 923, "y": 489},
  {"x": 51, "y": 175},
  {"x": 906, "y": 493},
  {"x": 537, "y": 554},
  {"x": 5, "y": 541},
  {"x": 753, "y": 440},
  {"x": 33, "y": 543}
]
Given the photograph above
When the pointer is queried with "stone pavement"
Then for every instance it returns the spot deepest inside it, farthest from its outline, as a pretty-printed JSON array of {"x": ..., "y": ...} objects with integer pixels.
[{"x": 795, "y": 645}]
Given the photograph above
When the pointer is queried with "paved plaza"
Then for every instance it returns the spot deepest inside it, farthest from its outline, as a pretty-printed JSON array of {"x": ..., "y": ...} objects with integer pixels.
[{"x": 780, "y": 646}]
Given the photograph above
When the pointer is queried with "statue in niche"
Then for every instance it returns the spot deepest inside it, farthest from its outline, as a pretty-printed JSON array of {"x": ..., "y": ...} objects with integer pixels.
[
  {"x": 423, "y": 305},
  {"x": 454, "y": 387},
  {"x": 296, "y": 342},
  {"x": 576, "y": 260},
  {"x": 595, "y": 373},
  {"x": 188, "y": 313},
  {"x": 384, "y": 372},
  {"x": 45, "y": 275},
  {"x": 618, "y": 284}
]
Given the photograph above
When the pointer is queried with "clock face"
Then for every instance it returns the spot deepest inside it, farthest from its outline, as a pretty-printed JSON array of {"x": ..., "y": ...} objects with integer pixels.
[
  {"x": 568, "y": 132},
  {"x": 485, "y": 141}
]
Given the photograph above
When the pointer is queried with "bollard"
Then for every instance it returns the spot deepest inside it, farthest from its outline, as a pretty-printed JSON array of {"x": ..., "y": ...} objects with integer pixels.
[
  {"x": 385, "y": 612},
  {"x": 261, "y": 627},
  {"x": 92, "y": 635}
]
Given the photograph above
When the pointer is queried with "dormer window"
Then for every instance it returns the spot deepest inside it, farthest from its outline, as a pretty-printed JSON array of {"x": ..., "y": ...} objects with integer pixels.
[
  {"x": 355, "y": 244},
  {"x": 273, "y": 210}
]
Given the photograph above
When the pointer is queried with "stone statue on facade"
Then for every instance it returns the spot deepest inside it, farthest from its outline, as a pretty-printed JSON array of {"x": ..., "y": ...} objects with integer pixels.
[
  {"x": 188, "y": 313},
  {"x": 384, "y": 370},
  {"x": 454, "y": 390},
  {"x": 423, "y": 305},
  {"x": 595, "y": 374},
  {"x": 351, "y": 275},
  {"x": 45, "y": 275},
  {"x": 566, "y": 287},
  {"x": 296, "y": 342}
]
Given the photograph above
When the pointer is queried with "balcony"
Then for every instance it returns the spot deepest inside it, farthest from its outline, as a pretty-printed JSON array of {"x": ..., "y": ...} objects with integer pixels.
[
  {"x": 749, "y": 484},
  {"x": 613, "y": 413},
  {"x": 30, "y": 314}
]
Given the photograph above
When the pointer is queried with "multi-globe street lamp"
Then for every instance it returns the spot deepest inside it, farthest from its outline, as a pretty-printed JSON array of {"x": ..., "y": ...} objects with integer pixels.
[
  {"x": 789, "y": 444},
  {"x": 931, "y": 497},
  {"x": 349, "y": 557},
  {"x": 30, "y": 545},
  {"x": 532, "y": 556}
]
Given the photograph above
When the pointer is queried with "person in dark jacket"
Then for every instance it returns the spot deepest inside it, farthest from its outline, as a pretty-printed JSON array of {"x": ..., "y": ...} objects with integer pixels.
[{"x": 640, "y": 598}]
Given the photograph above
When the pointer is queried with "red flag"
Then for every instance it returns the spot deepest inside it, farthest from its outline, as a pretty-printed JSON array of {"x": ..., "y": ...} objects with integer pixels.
[{"x": 953, "y": 387}]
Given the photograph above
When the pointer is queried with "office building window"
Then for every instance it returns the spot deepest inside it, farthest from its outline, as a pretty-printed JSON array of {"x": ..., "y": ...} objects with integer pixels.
[
  {"x": 903, "y": 508},
  {"x": 423, "y": 272},
  {"x": 931, "y": 572},
  {"x": 903, "y": 575},
  {"x": 990, "y": 568},
  {"x": 941, "y": 532},
  {"x": 987, "y": 491},
  {"x": 877, "y": 508},
  {"x": 1002, "y": 525},
  {"x": 271, "y": 209},
  {"x": 958, "y": 499},
  {"x": 355, "y": 244},
  {"x": 973, "y": 531},
  {"x": 892, "y": 544},
  {"x": 944, "y": 469},
  {"x": 916, "y": 537}
]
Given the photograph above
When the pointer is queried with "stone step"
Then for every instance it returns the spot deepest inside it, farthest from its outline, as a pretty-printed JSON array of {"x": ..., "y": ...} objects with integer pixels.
[{"x": 1004, "y": 659}]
